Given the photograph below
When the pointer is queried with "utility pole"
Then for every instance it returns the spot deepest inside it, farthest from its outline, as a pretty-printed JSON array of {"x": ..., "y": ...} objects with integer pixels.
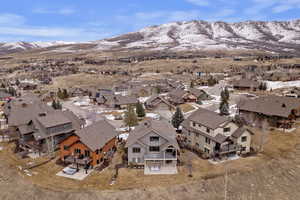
[{"x": 226, "y": 183}]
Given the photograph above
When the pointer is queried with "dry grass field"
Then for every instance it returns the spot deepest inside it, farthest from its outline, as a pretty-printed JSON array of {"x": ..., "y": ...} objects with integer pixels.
[{"x": 277, "y": 167}]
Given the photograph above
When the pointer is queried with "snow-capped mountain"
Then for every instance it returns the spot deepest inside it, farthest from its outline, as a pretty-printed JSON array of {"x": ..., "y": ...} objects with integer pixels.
[
  {"x": 13, "y": 47},
  {"x": 201, "y": 35},
  {"x": 271, "y": 36}
]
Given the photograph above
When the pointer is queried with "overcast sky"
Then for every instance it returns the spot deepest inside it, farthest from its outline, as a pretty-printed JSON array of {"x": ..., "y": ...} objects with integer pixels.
[{"x": 86, "y": 20}]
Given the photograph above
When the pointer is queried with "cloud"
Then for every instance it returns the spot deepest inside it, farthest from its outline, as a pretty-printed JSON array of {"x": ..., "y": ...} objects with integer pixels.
[
  {"x": 199, "y": 2},
  {"x": 11, "y": 19},
  {"x": 62, "y": 11}
]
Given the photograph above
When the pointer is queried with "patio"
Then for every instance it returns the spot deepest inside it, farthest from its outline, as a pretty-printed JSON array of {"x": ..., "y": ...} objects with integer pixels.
[{"x": 80, "y": 175}]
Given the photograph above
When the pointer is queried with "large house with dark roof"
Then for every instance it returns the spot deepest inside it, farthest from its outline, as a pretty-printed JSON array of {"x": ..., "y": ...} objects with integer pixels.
[
  {"x": 153, "y": 145},
  {"x": 277, "y": 111},
  {"x": 215, "y": 135},
  {"x": 89, "y": 146},
  {"x": 38, "y": 127}
]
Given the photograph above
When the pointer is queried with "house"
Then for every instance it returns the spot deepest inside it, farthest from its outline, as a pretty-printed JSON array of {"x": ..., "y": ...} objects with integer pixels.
[
  {"x": 245, "y": 84},
  {"x": 294, "y": 92},
  {"x": 179, "y": 96},
  {"x": 4, "y": 96},
  {"x": 214, "y": 135},
  {"x": 153, "y": 145},
  {"x": 77, "y": 92},
  {"x": 117, "y": 101},
  {"x": 38, "y": 127},
  {"x": 160, "y": 105},
  {"x": 277, "y": 111},
  {"x": 201, "y": 95},
  {"x": 89, "y": 146},
  {"x": 27, "y": 86}
]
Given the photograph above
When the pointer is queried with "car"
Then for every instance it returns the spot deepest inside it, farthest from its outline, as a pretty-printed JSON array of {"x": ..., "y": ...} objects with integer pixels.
[{"x": 70, "y": 170}]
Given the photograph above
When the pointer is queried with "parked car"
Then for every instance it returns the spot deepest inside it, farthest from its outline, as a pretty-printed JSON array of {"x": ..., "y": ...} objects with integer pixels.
[{"x": 70, "y": 170}]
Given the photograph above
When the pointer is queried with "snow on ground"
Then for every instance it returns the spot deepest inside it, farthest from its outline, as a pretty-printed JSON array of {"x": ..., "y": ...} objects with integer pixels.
[
  {"x": 153, "y": 116},
  {"x": 124, "y": 136},
  {"x": 215, "y": 162},
  {"x": 280, "y": 84}
]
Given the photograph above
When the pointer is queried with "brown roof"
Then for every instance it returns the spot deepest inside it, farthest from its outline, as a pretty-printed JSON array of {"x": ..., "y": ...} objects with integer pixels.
[
  {"x": 162, "y": 128},
  {"x": 97, "y": 135},
  {"x": 271, "y": 105},
  {"x": 207, "y": 118}
]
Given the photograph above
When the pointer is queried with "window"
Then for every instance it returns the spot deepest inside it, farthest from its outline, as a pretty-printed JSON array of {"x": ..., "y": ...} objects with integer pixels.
[
  {"x": 136, "y": 150},
  {"x": 197, "y": 145},
  {"x": 97, "y": 151},
  {"x": 243, "y": 148},
  {"x": 226, "y": 129},
  {"x": 154, "y": 149},
  {"x": 87, "y": 153},
  {"x": 66, "y": 147},
  {"x": 154, "y": 139},
  {"x": 207, "y": 140},
  {"x": 207, "y": 130},
  {"x": 98, "y": 161},
  {"x": 244, "y": 138},
  {"x": 206, "y": 150},
  {"x": 194, "y": 124},
  {"x": 197, "y": 134},
  {"x": 77, "y": 151}
]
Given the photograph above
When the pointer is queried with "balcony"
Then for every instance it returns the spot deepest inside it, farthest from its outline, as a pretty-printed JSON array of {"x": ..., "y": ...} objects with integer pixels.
[
  {"x": 161, "y": 156},
  {"x": 227, "y": 149}
]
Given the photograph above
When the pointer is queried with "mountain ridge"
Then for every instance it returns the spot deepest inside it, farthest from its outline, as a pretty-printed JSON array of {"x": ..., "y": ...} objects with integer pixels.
[{"x": 271, "y": 36}]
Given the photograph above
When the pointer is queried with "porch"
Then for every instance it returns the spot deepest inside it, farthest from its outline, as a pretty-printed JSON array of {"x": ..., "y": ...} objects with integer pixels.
[{"x": 159, "y": 167}]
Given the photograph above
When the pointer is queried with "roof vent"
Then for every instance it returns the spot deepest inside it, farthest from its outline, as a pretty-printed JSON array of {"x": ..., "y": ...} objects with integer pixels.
[{"x": 147, "y": 123}]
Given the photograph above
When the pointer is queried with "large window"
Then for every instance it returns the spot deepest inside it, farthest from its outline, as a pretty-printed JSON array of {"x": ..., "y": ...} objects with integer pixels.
[
  {"x": 154, "y": 149},
  {"x": 154, "y": 139},
  {"x": 136, "y": 150}
]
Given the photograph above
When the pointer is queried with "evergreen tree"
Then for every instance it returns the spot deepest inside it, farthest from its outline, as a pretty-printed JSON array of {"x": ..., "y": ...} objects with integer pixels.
[
  {"x": 177, "y": 118},
  {"x": 58, "y": 105},
  {"x": 60, "y": 94},
  {"x": 54, "y": 105},
  {"x": 224, "y": 105},
  {"x": 192, "y": 84},
  {"x": 17, "y": 82},
  {"x": 140, "y": 111},
  {"x": 130, "y": 118},
  {"x": 65, "y": 94}
]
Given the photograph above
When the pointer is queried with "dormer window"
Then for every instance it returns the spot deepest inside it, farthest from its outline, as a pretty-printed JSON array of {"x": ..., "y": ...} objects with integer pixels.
[{"x": 207, "y": 130}]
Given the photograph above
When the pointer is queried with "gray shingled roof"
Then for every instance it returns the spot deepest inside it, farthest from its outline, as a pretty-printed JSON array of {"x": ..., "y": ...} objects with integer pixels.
[
  {"x": 97, "y": 135},
  {"x": 53, "y": 119},
  {"x": 240, "y": 131},
  {"x": 271, "y": 105},
  {"x": 162, "y": 128},
  {"x": 207, "y": 118}
]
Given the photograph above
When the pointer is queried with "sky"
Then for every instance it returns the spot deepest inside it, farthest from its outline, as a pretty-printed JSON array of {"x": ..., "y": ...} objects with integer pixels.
[{"x": 88, "y": 20}]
